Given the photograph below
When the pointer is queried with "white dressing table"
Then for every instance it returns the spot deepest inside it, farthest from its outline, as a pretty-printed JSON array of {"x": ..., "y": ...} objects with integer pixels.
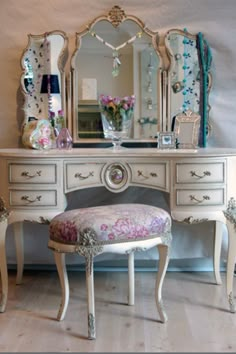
[{"x": 200, "y": 183}]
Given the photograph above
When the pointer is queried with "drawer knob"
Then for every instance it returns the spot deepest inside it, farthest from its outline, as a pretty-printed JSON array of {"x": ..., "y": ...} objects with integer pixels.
[
  {"x": 28, "y": 175},
  {"x": 26, "y": 198},
  {"x": 205, "y": 173},
  {"x": 81, "y": 177},
  {"x": 152, "y": 174},
  {"x": 204, "y": 197}
]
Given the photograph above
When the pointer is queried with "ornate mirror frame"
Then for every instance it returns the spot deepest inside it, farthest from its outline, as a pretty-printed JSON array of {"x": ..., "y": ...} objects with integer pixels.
[
  {"x": 116, "y": 18},
  {"x": 43, "y": 77}
]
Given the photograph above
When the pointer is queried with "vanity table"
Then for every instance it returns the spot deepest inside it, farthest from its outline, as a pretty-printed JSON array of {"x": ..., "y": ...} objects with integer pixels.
[
  {"x": 200, "y": 182},
  {"x": 169, "y": 76}
]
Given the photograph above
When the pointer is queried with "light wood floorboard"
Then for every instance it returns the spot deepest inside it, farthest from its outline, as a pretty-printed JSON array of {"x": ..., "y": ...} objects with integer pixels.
[{"x": 199, "y": 319}]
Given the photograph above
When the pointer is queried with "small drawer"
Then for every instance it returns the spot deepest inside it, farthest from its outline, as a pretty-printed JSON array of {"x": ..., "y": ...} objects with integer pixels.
[
  {"x": 200, "y": 172},
  {"x": 82, "y": 175},
  {"x": 148, "y": 174},
  {"x": 200, "y": 197},
  {"x": 32, "y": 174},
  {"x": 35, "y": 198}
]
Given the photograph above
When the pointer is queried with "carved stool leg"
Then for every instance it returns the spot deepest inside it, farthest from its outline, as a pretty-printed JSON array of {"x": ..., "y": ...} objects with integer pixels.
[
  {"x": 61, "y": 269},
  {"x": 131, "y": 278},
  {"x": 162, "y": 267},
  {"x": 19, "y": 243},
  {"x": 90, "y": 298},
  {"x": 3, "y": 265}
]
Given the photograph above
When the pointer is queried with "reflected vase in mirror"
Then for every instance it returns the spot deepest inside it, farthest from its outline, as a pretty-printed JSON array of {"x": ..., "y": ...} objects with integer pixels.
[{"x": 117, "y": 117}]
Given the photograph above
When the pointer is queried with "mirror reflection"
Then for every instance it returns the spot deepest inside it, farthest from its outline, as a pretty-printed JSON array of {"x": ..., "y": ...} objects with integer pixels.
[
  {"x": 43, "y": 79},
  {"x": 116, "y": 61},
  {"x": 184, "y": 73},
  {"x": 189, "y": 78}
]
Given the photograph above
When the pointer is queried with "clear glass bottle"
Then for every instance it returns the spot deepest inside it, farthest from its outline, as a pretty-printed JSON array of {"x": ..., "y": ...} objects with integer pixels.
[{"x": 64, "y": 139}]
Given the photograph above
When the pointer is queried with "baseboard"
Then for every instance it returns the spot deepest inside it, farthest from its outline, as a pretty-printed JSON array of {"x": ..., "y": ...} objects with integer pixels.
[{"x": 175, "y": 265}]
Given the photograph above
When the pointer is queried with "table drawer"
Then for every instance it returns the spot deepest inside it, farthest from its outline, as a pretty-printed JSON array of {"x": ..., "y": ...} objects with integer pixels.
[
  {"x": 200, "y": 197},
  {"x": 211, "y": 172},
  {"x": 82, "y": 175},
  {"x": 153, "y": 175},
  {"x": 32, "y": 173},
  {"x": 35, "y": 198}
]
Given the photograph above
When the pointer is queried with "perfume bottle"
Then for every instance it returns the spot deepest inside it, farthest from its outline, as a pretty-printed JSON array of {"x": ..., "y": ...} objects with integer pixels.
[{"x": 64, "y": 139}]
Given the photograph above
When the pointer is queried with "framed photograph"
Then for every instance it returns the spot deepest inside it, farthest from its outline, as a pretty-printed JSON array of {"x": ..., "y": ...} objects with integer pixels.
[
  {"x": 187, "y": 129},
  {"x": 166, "y": 140}
]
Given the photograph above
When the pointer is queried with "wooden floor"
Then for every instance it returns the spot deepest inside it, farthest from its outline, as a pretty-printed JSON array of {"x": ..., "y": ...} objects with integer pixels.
[{"x": 199, "y": 320}]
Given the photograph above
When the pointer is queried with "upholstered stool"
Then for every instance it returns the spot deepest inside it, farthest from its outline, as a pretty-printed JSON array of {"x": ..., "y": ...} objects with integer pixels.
[{"x": 121, "y": 228}]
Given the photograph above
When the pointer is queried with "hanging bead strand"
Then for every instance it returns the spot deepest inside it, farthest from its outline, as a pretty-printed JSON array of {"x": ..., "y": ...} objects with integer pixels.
[
  {"x": 185, "y": 67},
  {"x": 116, "y": 60}
]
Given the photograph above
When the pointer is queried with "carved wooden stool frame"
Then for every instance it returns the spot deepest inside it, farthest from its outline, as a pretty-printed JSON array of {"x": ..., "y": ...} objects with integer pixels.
[{"x": 89, "y": 250}]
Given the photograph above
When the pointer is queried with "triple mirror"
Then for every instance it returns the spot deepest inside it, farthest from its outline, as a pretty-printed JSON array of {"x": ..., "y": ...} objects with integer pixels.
[{"x": 117, "y": 55}]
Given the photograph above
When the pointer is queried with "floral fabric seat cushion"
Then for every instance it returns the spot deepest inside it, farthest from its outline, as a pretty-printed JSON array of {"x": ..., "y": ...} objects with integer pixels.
[{"x": 110, "y": 224}]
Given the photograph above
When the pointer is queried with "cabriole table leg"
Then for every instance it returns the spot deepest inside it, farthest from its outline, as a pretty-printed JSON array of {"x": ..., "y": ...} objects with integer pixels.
[{"x": 3, "y": 261}]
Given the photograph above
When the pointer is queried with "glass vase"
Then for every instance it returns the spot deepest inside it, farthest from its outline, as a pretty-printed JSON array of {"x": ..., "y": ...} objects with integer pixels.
[
  {"x": 117, "y": 127},
  {"x": 64, "y": 139}
]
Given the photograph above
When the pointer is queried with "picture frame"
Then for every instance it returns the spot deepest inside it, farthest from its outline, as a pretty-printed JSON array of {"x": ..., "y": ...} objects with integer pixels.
[
  {"x": 166, "y": 140},
  {"x": 186, "y": 128}
]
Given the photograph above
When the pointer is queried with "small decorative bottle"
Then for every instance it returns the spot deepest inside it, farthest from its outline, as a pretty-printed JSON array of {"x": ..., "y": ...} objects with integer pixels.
[
  {"x": 64, "y": 139},
  {"x": 55, "y": 130}
]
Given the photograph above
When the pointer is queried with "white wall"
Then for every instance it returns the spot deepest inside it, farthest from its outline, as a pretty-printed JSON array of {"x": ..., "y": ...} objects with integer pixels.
[{"x": 215, "y": 18}]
